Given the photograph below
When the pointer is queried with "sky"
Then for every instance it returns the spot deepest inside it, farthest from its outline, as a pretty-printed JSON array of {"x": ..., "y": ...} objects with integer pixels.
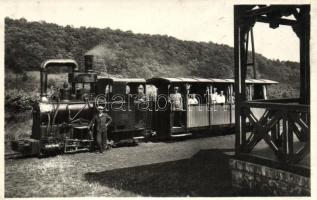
[{"x": 199, "y": 20}]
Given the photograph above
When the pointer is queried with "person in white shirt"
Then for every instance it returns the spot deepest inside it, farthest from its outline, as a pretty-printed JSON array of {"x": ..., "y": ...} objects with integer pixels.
[
  {"x": 221, "y": 99},
  {"x": 192, "y": 100}
]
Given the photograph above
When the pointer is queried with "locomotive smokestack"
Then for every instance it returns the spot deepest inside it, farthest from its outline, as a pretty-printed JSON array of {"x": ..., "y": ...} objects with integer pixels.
[{"x": 89, "y": 62}]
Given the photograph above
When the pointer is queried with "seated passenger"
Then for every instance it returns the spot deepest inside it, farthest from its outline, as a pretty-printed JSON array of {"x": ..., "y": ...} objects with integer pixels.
[
  {"x": 221, "y": 99},
  {"x": 192, "y": 100}
]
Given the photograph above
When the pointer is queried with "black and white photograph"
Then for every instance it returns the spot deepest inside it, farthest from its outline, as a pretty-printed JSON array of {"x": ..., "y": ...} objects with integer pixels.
[{"x": 170, "y": 98}]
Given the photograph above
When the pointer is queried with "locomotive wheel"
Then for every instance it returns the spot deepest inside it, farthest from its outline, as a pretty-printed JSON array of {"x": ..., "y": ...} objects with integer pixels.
[{"x": 42, "y": 152}]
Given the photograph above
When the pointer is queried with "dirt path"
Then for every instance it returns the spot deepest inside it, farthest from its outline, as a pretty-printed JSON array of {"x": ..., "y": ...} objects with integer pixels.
[{"x": 196, "y": 167}]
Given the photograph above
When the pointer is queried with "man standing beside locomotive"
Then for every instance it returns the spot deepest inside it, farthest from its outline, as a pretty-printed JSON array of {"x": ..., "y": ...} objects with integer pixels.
[{"x": 101, "y": 121}]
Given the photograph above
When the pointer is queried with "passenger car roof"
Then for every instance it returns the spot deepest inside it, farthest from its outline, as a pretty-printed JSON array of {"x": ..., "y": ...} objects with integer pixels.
[
  {"x": 123, "y": 80},
  {"x": 155, "y": 80}
]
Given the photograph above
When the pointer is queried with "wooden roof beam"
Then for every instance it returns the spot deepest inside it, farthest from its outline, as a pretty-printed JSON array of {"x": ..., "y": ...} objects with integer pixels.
[
  {"x": 280, "y": 21},
  {"x": 270, "y": 9}
]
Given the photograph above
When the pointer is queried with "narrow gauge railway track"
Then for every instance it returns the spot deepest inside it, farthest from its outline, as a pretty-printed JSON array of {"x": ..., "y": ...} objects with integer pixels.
[
  {"x": 10, "y": 154},
  {"x": 14, "y": 155}
]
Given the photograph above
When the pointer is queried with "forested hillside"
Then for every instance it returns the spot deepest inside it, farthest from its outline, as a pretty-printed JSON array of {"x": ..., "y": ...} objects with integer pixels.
[{"x": 27, "y": 44}]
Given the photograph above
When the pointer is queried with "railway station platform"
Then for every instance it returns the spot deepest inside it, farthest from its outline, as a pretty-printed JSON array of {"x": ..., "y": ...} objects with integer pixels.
[{"x": 260, "y": 173}]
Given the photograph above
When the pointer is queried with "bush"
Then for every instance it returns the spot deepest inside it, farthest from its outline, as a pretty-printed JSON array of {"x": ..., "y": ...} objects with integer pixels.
[{"x": 19, "y": 100}]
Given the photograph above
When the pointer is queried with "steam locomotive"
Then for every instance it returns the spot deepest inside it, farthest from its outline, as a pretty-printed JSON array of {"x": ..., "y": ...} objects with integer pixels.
[{"x": 62, "y": 122}]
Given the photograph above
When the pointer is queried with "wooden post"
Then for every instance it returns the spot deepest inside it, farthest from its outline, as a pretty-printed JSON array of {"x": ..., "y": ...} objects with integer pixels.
[
  {"x": 237, "y": 78},
  {"x": 253, "y": 54},
  {"x": 302, "y": 30},
  {"x": 275, "y": 134},
  {"x": 187, "y": 87},
  {"x": 240, "y": 75},
  {"x": 290, "y": 141},
  {"x": 250, "y": 92},
  {"x": 264, "y": 92},
  {"x": 305, "y": 56}
]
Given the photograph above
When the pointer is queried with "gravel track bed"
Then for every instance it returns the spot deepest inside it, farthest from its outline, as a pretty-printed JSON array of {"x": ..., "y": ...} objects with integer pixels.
[{"x": 193, "y": 167}]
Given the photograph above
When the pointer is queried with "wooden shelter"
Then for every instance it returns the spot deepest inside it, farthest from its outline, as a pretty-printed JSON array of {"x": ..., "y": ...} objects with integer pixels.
[{"x": 283, "y": 119}]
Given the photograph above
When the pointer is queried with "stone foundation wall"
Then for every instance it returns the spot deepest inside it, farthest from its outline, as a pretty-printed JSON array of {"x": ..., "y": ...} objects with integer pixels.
[{"x": 262, "y": 180}]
